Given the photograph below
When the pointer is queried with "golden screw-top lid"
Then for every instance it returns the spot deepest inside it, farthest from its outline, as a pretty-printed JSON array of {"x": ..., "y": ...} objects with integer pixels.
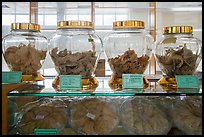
[
  {"x": 177, "y": 29},
  {"x": 25, "y": 26},
  {"x": 128, "y": 24},
  {"x": 75, "y": 24}
]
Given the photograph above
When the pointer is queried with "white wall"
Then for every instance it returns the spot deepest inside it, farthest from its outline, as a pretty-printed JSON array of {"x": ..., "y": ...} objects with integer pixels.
[{"x": 169, "y": 18}]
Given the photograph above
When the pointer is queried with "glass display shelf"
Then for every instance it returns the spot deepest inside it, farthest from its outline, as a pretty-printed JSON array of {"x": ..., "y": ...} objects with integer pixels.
[
  {"x": 44, "y": 88},
  {"x": 24, "y": 99}
]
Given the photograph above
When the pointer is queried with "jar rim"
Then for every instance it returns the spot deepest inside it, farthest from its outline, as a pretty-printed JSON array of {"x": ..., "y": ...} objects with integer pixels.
[
  {"x": 178, "y": 30},
  {"x": 129, "y": 24},
  {"x": 25, "y": 26},
  {"x": 75, "y": 24}
]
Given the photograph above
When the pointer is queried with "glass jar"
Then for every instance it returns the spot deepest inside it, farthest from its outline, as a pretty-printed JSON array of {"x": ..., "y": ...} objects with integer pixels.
[
  {"x": 128, "y": 50},
  {"x": 177, "y": 53},
  {"x": 24, "y": 49},
  {"x": 75, "y": 50}
]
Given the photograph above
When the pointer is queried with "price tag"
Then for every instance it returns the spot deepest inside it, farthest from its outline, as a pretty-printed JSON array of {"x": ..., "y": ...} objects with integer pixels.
[
  {"x": 11, "y": 77},
  {"x": 187, "y": 81},
  {"x": 45, "y": 131},
  {"x": 91, "y": 116},
  {"x": 70, "y": 82},
  {"x": 132, "y": 80}
]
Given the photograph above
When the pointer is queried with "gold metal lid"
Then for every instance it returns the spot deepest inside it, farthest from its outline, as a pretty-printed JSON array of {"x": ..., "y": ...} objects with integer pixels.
[
  {"x": 128, "y": 24},
  {"x": 177, "y": 29},
  {"x": 25, "y": 26},
  {"x": 75, "y": 24}
]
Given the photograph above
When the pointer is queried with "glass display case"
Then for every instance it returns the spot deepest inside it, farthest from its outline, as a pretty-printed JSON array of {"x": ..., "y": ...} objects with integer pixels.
[{"x": 40, "y": 109}]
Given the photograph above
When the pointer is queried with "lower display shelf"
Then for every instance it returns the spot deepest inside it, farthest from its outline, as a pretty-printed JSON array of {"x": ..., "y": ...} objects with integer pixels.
[
  {"x": 39, "y": 109},
  {"x": 139, "y": 115}
]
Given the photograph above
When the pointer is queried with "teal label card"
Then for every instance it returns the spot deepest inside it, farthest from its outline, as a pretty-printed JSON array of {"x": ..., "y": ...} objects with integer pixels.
[
  {"x": 189, "y": 90},
  {"x": 132, "y": 80},
  {"x": 135, "y": 90},
  {"x": 70, "y": 82},
  {"x": 187, "y": 81},
  {"x": 11, "y": 77},
  {"x": 45, "y": 131}
]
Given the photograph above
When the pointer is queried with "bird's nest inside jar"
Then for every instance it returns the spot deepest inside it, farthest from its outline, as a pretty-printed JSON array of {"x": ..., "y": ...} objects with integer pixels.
[
  {"x": 178, "y": 62},
  {"x": 27, "y": 59},
  {"x": 79, "y": 63},
  {"x": 127, "y": 63}
]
